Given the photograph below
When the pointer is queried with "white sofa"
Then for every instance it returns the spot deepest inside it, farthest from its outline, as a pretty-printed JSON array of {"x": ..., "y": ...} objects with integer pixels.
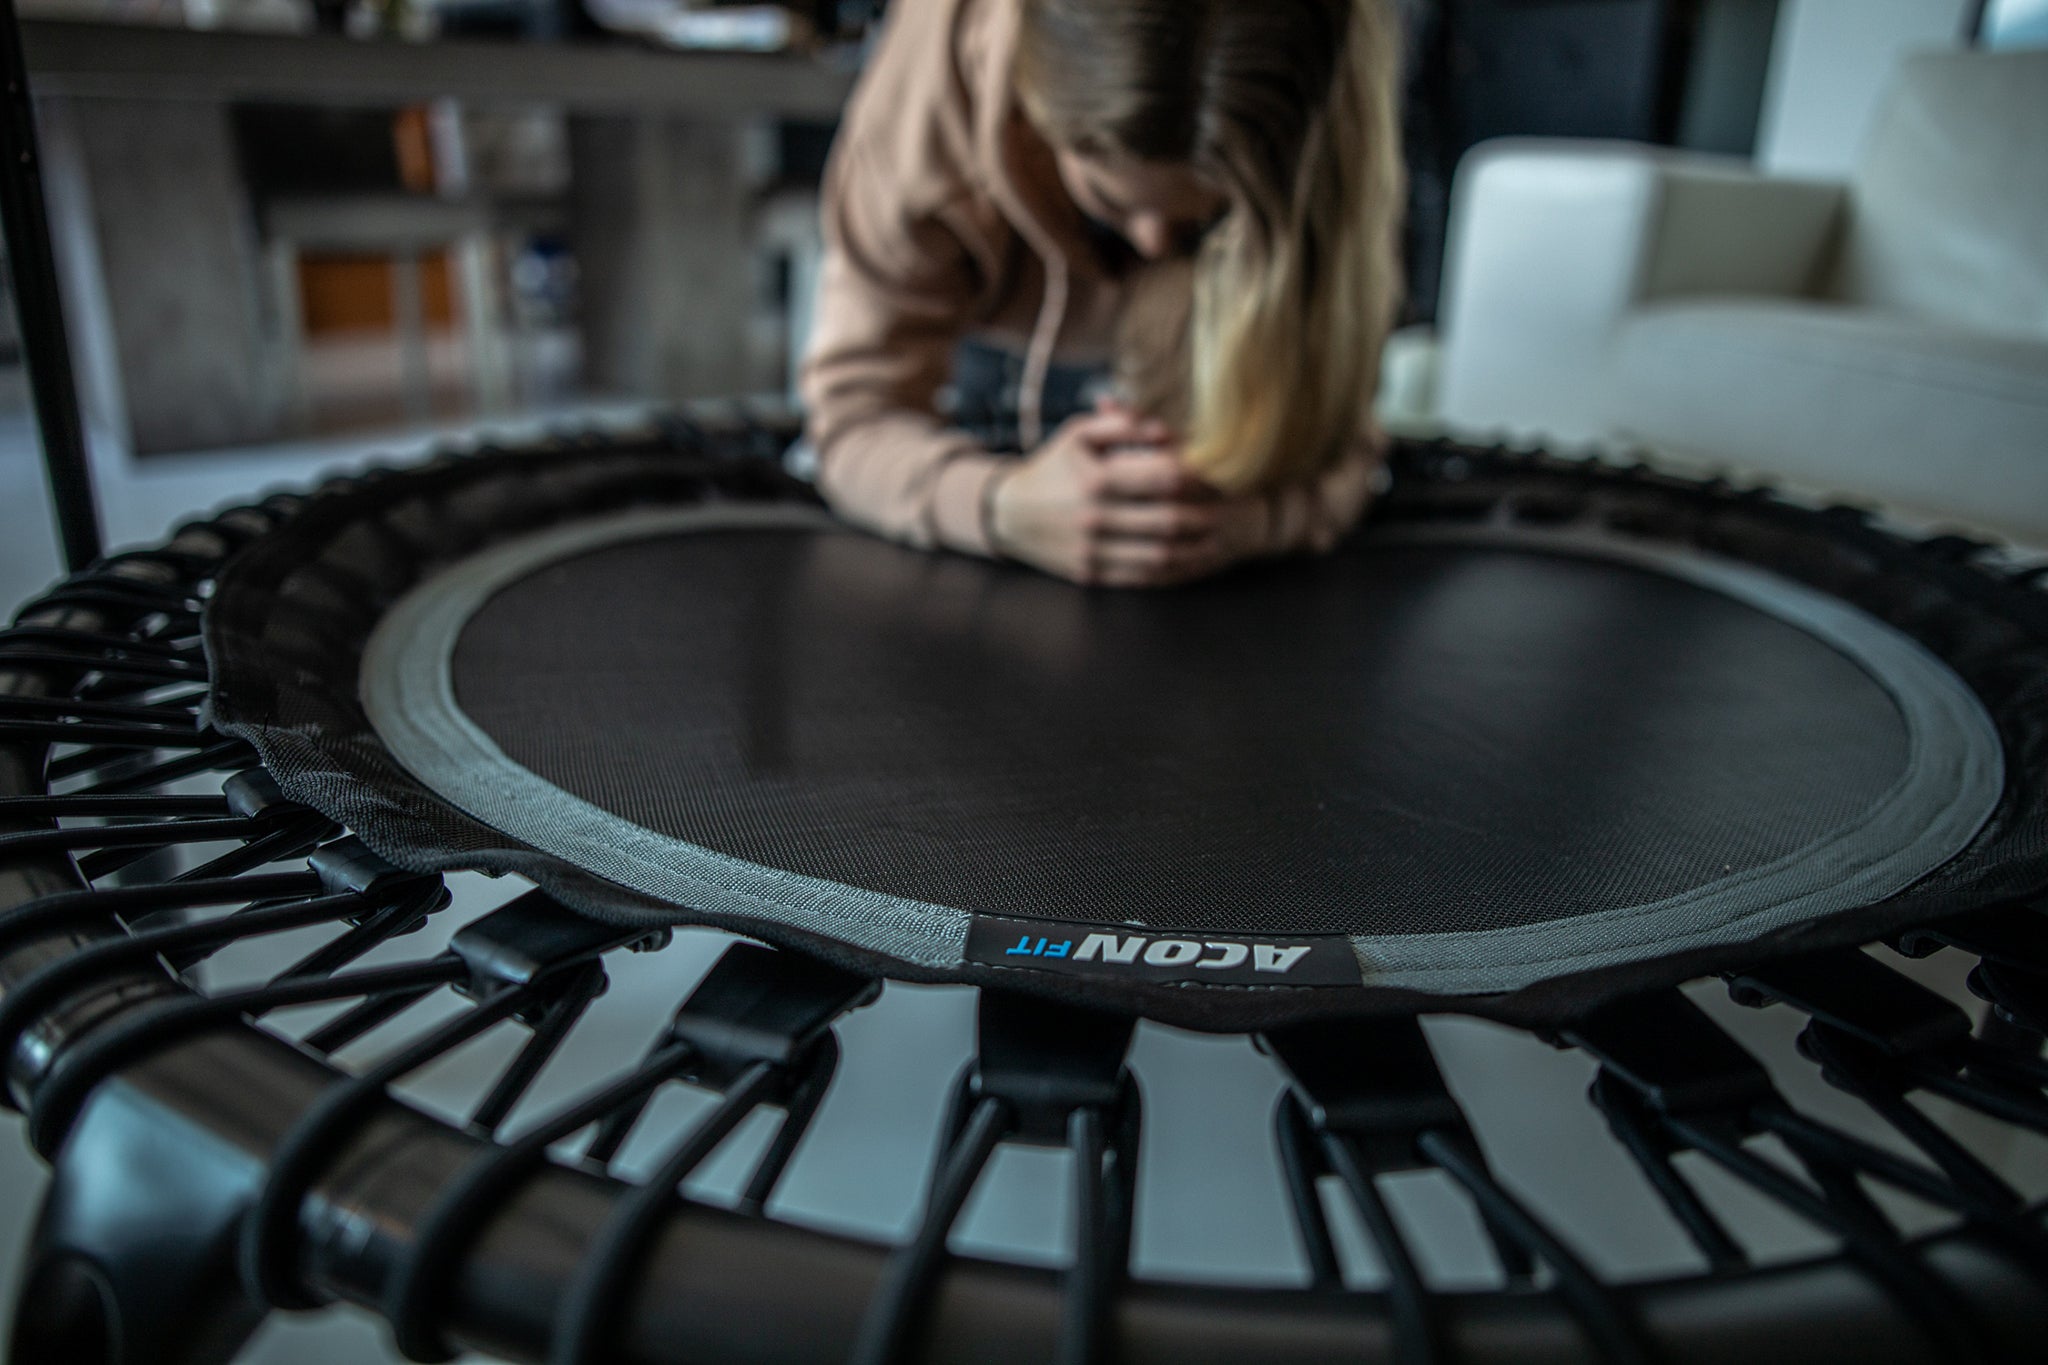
[{"x": 1884, "y": 339}]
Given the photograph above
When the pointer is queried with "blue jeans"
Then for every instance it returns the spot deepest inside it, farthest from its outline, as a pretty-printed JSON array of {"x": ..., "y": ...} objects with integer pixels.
[{"x": 987, "y": 384}]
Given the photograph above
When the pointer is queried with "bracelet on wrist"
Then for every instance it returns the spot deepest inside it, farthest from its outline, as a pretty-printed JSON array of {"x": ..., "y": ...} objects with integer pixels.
[{"x": 989, "y": 491}]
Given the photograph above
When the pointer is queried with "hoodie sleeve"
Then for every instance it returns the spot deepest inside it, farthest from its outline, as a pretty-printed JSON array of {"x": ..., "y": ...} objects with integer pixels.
[{"x": 898, "y": 282}]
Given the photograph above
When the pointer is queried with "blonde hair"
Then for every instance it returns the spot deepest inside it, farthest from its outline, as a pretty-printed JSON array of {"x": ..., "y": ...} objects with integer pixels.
[{"x": 1264, "y": 348}]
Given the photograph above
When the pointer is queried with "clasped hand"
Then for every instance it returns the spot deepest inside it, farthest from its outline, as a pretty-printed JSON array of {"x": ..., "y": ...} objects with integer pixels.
[{"x": 1108, "y": 501}]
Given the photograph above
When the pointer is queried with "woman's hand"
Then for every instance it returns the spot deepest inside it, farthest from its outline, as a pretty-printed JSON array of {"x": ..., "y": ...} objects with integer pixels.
[{"x": 1108, "y": 501}]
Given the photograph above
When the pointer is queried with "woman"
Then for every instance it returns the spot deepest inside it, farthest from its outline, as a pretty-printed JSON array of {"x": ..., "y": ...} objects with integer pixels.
[{"x": 1201, "y": 193}]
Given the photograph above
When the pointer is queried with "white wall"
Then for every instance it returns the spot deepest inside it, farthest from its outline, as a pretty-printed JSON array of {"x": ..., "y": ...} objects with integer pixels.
[
  {"x": 2016, "y": 23},
  {"x": 1831, "y": 61}
]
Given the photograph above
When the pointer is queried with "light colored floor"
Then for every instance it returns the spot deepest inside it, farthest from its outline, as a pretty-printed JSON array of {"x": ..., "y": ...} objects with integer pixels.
[
  {"x": 1210, "y": 1203},
  {"x": 140, "y": 501}
]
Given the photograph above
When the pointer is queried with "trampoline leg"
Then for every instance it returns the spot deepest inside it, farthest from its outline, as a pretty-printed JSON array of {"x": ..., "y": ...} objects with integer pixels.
[{"x": 133, "y": 1257}]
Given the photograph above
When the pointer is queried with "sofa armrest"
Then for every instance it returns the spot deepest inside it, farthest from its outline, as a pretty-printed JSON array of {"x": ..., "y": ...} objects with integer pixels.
[{"x": 1552, "y": 242}]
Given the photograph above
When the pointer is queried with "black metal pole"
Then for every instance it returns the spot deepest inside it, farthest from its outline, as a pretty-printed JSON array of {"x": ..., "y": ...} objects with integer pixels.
[
  {"x": 40, "y": 310},
  {"x": 1973, "y": 22}
]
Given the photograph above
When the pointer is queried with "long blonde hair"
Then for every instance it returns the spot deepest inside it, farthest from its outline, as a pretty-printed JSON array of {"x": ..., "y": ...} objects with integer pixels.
[{"x": 1264, "y": 348}]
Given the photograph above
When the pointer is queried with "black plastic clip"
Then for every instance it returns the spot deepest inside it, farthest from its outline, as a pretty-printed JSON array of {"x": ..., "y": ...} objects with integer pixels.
[
  {"x": 759, "y": 1023},
  {"x": 760, "y": 1007},
  {"x": 346, "y": 866},
  {"x": 517, "y": 945},
  {"x": 253, "y": 793},
  {"x": 2019, "y": 996},
  {"x": 532, "y": 960},
  {"x": 1851, "y": 991},
  {"x": 1045, "y": 1064},
  {"x": 1376, "y": 1082},
  {"x": 1045, "y": 1074},
  {"x": 251, "y": 811},
  {"x": 1367, "y": 1099},
  {"x": 1927, "y": 1038},
  {"x": 1672, "y": 1055},
  {"x": 2013, "y": 936},
  {"x": 1671, "y": 1081}
]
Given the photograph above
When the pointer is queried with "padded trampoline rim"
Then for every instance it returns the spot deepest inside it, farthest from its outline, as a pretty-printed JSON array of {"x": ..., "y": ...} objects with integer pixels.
[
  {"x": 1954, "y": 776},
  {"x": 1958, "y": 597}
]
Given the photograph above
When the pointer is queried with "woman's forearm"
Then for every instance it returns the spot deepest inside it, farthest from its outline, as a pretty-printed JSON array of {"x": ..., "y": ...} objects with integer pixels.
[{"x": 905, "y": 476}]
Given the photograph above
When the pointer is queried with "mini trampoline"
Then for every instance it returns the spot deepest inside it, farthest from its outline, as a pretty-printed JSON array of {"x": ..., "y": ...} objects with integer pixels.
[{"x": 1548, "y": 742}]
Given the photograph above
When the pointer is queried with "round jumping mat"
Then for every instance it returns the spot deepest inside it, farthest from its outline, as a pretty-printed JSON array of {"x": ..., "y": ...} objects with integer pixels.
[{"x": 1457, "y": 759}]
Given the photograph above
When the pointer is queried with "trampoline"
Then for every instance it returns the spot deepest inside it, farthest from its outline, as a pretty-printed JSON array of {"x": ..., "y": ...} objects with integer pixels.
[{"x": 1554, "y": 744}]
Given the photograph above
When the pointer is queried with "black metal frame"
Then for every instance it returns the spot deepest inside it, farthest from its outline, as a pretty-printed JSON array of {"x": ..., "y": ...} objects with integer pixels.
[
  {"x": 107, "y": 1047},
  {"x": 32, "y": 267}
]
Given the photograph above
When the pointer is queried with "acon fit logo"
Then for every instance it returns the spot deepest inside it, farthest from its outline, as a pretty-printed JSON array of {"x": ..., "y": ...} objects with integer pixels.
[{"x": 1147, "y": 955}]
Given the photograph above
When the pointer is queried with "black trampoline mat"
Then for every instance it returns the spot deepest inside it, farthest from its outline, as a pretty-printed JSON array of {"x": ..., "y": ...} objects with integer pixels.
[
  {"x": 1427, "y": 738},
  {"x": 1407, "y": 739}
]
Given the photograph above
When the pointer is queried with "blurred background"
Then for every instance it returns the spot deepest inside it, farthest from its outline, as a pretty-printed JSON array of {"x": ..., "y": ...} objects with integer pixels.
[
  {"x": 307, "y": 228},
  {"x": 1799, "y": 238}
]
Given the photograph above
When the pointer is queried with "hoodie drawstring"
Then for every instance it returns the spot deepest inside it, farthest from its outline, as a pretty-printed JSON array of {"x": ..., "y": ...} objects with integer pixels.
[{"x": 1038, "y": 358}]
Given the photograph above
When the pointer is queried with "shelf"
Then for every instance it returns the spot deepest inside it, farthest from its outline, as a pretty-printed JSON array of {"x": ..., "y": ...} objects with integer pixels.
[{"x": 92, "y": 60}]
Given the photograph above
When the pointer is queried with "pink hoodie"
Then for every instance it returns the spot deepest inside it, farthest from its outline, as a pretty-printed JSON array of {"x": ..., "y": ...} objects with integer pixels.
[{"x": 945, "y": 217}]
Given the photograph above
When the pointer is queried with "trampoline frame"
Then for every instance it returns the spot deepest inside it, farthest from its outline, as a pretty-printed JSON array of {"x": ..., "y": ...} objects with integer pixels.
[
  {"x": 306, "y": 1185},
  {"x": 126, "y": 1074}
]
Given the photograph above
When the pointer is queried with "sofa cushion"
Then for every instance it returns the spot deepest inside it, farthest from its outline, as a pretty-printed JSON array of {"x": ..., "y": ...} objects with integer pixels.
[
  {"x": 1923, "y": 416},
  {"x": 1949, "y": 201}
]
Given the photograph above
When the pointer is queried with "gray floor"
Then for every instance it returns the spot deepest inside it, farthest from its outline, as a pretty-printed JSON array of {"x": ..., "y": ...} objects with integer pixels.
[{"x": 1210, "y": 1202}]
